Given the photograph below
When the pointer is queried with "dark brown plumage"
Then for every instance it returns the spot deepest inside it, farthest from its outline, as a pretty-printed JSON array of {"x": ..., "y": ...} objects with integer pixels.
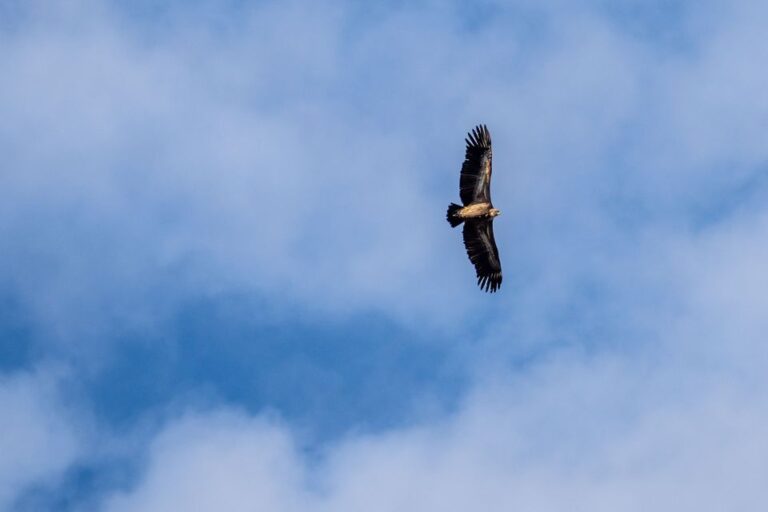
[
  {"x": 475, "y": 181},
  {"x": 477, "y": 212}
]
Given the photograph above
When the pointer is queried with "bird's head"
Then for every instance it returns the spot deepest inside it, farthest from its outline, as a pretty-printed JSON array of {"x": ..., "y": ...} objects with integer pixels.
[{"x": 494, "y": 212}]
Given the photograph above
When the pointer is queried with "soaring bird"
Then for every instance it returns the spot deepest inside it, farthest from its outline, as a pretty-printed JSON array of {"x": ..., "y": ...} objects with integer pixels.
[{"x": 477, "y": 212}]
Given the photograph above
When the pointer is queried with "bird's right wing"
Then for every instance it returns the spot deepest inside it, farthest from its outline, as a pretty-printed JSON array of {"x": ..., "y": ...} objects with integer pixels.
[
  {"x": 482, "y": 252},
  {"x": 475, "y": 181}
]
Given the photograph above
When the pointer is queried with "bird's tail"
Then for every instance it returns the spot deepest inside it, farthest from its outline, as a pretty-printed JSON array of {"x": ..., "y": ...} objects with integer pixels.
[{"x": 453, "y": 219}]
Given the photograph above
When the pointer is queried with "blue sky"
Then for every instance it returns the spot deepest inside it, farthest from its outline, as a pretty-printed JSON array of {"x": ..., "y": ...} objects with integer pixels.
[{"x": 227, "y": 282}]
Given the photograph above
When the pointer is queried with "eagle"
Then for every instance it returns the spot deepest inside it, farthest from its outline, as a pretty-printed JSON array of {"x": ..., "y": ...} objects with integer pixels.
[{"x": 477, "y": 212}]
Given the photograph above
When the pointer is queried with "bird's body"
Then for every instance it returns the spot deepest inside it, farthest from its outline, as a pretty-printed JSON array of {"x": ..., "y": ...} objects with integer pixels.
[{"x": 477, "y": 211}]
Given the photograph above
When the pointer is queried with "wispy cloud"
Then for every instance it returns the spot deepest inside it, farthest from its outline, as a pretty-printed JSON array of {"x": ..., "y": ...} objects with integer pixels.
[
  {"x": 37, "y": 437},
  {"x": 295, "y": 160}
]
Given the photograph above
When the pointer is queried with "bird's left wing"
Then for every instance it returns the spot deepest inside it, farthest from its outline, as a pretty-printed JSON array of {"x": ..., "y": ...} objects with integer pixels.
[
  {"x": 482, "y": 252},
  {"x": 475, "y": 181}
]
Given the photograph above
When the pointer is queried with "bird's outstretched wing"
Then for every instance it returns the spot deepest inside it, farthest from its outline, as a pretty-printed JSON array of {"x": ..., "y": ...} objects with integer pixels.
[
  {"x": 482, "y": 252},
  {"x": 475, "y": 181}
]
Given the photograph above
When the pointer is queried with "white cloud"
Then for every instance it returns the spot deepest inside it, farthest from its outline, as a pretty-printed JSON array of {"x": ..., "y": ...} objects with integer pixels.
[
  {"x": 221, "y": 154},
  {"x": 215, "y": 462},
  {"x": 314, "y": 169},
  {"x": 580, "y": 436},
  {"x": 37, "y": 438}
]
